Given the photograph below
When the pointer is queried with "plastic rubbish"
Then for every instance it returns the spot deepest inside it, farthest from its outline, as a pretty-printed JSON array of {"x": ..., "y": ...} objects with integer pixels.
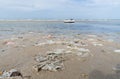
[
  {"x": 40, "y": 58},
  {"x": 85, "y": 55},
  {"x": 54, "y": 66},
  {"x": 46, "y": 43},
  {"x": 84, "y": 50},
  {"x": 117, "y": 68},
  {"x": 39, "y": 66},
  {"x": 97, "y": 44},
  {"x": 83, "y": 75},
  {"x": 76, "y": 41},
  {"x": 91, "y": 39},
  {"x": 110, "y": 40},
  {"x": 59, "y": 51},
  {"x": 83, "y": 44},
  {"x": 11, "y": 73},
  {"x": 117, "y": 51},
  {"x": 94, "y": 36},
  {"x": 9, "y": 43},
  {"x": 51, "y": 62}
]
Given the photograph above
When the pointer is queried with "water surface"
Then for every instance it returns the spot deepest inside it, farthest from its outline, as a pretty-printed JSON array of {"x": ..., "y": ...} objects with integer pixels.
[{"x": 59, "y": 28}]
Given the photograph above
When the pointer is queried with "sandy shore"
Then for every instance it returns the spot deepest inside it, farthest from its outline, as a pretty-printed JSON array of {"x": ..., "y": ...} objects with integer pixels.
[{"x": 18, "y": 52}]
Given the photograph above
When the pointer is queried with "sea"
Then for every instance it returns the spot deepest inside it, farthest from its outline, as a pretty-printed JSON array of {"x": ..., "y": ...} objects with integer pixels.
[{"x": 111, "y": 28}]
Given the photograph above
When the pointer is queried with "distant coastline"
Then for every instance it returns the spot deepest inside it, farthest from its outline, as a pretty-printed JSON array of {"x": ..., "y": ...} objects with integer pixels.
[{"x": 81, "y": 20}]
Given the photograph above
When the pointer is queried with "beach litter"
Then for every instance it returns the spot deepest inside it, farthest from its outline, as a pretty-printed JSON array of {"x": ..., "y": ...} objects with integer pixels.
[
  {"x": 48, "y": 42},
  {"x": 97, "y": 44},
  {"x": 30, "y": 32},
  {"x": 83, "y": 44},
  {"x": 14, "y": 38},
  {"x": 11, "y": 73},
  {"x": 76, "y": 43},
  {"x": 39, "y": 44},
  {"x": 20, "y": 37},
  {"x": 117, "y": 68},
  {"x": 9, "y": 43},
  {"x": 59, "y": 51},
  {"x": 40, "y": 58},
  {"x": 117, "y": 51},
  {"x": 94, "y": 36},
  {"x": 50, "y": 62},
  {"x": 110, "y": 40},
  {"x": 83, "y": 52},
  {"x": 84, "y": 75},
  {"x": 2, "y": 50},
  {"x": 91, "y": 39},
  {"x": 49, "y": 36}
]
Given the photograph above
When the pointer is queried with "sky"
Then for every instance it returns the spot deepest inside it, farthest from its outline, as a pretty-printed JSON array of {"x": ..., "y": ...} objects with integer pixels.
[{"x": 59, "y": 9}]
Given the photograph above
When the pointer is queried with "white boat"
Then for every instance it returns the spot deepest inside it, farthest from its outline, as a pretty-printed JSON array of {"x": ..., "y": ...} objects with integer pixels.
[{"x": 69, "y": 21}]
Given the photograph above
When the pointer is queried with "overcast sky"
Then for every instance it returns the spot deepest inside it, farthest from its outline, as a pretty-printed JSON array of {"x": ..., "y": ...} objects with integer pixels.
[{"x": 59, "y": 9}]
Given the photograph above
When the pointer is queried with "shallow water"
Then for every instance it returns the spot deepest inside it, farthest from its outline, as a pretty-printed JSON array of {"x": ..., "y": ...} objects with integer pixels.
[{"x": 103, "y": 28}]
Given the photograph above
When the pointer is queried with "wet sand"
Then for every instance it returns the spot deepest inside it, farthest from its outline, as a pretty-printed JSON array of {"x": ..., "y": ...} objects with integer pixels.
[{"x": 18, "y": 52}]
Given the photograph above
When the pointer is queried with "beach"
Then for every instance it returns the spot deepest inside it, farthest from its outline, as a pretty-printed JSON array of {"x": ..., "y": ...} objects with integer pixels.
[
  {"x": 95, "y": 63},
  {"x": 82, "y": 55}
]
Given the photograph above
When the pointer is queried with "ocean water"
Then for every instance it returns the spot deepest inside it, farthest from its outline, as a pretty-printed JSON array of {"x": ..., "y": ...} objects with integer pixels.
[{"x": 58, "y": 28}]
